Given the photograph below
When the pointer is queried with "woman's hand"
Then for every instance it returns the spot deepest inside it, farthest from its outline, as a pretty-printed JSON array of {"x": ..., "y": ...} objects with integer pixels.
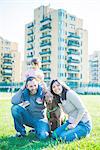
[{"x": 71, "y": 126}]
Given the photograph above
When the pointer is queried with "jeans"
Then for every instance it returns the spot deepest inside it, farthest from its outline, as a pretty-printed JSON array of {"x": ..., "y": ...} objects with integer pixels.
[
  {"x": 22, "y": 117},
  {"x": 25, "y": 93},
  {"x": 81, "y": 130}
]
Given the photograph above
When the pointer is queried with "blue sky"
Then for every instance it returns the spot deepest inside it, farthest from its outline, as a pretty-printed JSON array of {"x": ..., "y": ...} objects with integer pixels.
[{"x": 14, "y": 14}]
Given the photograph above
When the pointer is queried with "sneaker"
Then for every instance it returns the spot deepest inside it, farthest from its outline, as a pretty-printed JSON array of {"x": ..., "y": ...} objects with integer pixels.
[
  {"x": 39, "y": 100},
  {"x": 24, "y": 104},
  {"x": 19, "y": 135},
  {"x": 32, "y": 131}
]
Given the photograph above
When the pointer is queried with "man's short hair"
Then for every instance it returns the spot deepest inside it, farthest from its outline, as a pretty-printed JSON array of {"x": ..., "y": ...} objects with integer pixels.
[{"x": 30, "y": 79}]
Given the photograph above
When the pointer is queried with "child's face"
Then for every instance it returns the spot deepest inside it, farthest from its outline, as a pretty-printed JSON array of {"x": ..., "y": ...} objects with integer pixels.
[{"x": 36, "y": 66}]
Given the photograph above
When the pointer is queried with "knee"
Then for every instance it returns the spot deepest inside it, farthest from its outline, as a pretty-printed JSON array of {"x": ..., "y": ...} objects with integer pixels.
[
  {"x": 69, "y": 138},
  {"x": 15, "y": 110},
  {"x": 43, "y": 135}
]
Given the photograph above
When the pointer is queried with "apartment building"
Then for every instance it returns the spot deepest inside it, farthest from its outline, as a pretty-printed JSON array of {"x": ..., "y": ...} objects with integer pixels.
[
  {"x": 94, "y": 68},
  {"x": 9, "y": 61},
  {"x": 59, "y": 39}
]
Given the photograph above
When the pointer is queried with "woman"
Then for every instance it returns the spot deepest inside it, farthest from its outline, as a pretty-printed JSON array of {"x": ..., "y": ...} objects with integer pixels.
[{"x": 78, "y": 124}]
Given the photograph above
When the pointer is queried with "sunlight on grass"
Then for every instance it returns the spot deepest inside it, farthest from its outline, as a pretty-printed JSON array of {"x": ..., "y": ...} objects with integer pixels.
[{"x": 7, "y": 129}]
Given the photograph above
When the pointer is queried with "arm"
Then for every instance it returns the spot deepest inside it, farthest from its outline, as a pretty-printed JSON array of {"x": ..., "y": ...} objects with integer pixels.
[
  {"x": 16, "y": 99},
  {"x": 76, "y": 101}
]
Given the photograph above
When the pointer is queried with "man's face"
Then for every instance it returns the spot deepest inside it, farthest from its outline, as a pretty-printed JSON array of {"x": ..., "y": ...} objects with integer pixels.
[{"x": 32, "y": 86}]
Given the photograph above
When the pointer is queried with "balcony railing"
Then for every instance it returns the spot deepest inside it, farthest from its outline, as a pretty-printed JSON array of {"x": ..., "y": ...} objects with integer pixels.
[
  {"x": 45, "y": 44},
  {"x": 74, "y": 36},
  {"x": 46, "y": 61},
  {"x": 73, "y": 52},
  {"x": 46, "y": 69},
  {"x": 45, "y": 27},
  {"x": 73, "y": 60},
  {"x": 73, "y": 78},
  {"x": 45, "y": 36},
  {"x": 43, "y": 53},
  {"x": 8, "y": 57},
  {"x": 7, "y": 63},
  {"x": 45, "y": 19}
]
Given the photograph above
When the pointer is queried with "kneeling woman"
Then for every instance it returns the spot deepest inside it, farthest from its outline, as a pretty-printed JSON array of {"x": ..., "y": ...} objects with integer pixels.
[{"x": 78, "y": 124}]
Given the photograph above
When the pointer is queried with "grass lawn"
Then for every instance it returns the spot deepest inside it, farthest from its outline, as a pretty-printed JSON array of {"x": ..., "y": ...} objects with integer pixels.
[{"x": 7, "y": 129}]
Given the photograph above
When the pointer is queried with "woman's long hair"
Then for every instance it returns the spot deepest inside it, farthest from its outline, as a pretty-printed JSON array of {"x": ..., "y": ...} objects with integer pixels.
[{"x": 64, "y": 91}]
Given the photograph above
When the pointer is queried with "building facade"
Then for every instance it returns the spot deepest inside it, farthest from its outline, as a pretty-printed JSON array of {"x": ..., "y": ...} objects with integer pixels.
[
  {"x": 9, "y": 61},
  {"x": 60, "y": 41},
  {"x": 94, "y": 68}
]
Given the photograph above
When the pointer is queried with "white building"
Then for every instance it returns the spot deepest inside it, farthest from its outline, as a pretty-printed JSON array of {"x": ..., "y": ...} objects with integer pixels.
[{"x": 59, "y": 39}]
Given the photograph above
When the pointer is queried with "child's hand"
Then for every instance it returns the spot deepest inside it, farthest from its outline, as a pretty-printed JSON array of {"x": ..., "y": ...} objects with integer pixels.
[
  {"x": 71, "y": 126},
  {"x": 23, "y": 87}
]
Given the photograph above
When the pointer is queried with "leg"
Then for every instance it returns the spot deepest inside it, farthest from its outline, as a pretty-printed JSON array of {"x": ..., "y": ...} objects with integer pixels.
[
  {"x": 42, "y": 128},
  {"x": 77, "y": 133},
  {"x": 59, "y": 130},
  {"x": 21, "y": 117}
]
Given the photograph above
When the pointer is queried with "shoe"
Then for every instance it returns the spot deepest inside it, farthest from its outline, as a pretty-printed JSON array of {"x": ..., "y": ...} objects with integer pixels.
[
  {"x": 24, "y": 104},
  {"x": 19, "y": 135},
  {"x": 32, "y": 131}
]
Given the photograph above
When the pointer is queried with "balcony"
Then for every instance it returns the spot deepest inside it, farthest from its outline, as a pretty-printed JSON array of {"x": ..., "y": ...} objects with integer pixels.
[
  {"x": 74, "y": 36},
  {"x": 45, "y": 36},
  {"x": 45, "y": 44},
  {"x": 7, "y": 63},
  {"x": 8, "y": 57},
  {"x": 30, "y": 48},
  {"x": 7, "y": 74},
  {"x": 72, "y": 84},
  {"x": 73, "y": 43},
  {"x": 73, "y": 78},
  {"x": 46, "y": 78},
  {"x": 30, "y": 40},
  {"x": 46, "y": 69},
  {"x": 73, "y": 70},
  {"x": 45, "y": 27},
  {"x": 30, "y": 33},
  {"x": 71, "y": 60},
  {"x": 73, "y": 52},
  {"x": 30, "y": 25},
  {"x": 46, "y": 52},
  {"x": 29, "y": 56},
  {"x": 46, "y": 61},
  {"x": 45, "y": 19}
]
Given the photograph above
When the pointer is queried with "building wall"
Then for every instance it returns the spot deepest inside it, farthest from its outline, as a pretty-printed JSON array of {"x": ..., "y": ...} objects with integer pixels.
[
  {"x": 9, "y": 61},
  {"x": 94, "y": 67},
  {"x": 61, "y": 43}
]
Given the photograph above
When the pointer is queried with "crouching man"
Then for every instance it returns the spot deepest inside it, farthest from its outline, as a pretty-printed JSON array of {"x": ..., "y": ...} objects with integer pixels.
[{"x": 33, "y": 115}]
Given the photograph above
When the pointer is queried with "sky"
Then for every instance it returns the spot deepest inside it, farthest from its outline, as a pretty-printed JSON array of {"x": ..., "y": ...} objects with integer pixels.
[{"x": 14, "y": 14}]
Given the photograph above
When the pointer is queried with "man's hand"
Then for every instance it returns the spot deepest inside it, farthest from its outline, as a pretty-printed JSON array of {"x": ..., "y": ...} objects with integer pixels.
[{"x": 71, "y": 126}]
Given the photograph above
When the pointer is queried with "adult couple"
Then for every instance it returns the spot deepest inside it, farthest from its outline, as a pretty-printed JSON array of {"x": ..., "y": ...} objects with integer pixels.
[{"x": 77, "y": 126}]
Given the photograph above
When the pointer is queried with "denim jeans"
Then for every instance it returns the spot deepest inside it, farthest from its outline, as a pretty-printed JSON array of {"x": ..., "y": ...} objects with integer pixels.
[
  {"x": 22, "y": 117},
  {"x": 25, "y": 93},
  {"x": 81, "y": 130}
]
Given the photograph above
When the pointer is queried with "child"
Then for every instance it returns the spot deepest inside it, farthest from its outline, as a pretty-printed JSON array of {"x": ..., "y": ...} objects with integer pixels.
[{"x": 37, "y": 73}]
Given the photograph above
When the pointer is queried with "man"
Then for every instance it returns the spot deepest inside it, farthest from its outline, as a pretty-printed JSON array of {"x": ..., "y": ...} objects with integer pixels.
[{"x": 33, "y": 115}]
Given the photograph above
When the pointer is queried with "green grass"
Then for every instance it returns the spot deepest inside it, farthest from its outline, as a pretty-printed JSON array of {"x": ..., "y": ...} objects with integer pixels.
[{"x": 7, "y": 129}]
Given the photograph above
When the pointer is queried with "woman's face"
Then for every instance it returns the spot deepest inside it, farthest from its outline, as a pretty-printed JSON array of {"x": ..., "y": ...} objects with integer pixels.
[{"x": 57, "y": 88}]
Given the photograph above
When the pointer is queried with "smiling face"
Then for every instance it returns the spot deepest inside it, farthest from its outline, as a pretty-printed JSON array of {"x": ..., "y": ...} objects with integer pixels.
[
  {"x": 32, "y": 86},
  {"x": 57, "y": 88}
]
